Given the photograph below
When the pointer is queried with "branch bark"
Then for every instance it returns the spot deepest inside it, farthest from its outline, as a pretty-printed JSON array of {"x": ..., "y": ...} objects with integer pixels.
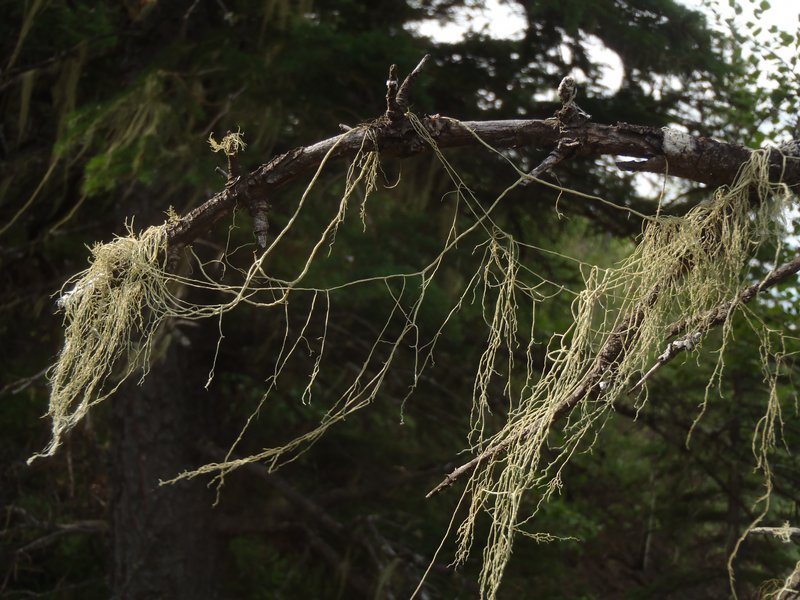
[
  {"x": 785, "y": 533},
  {"x": 699, "y": 159}
]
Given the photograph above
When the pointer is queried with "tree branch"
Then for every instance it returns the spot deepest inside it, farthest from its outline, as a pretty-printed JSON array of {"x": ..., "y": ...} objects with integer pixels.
[
  {"x": 700, "y": 159},
  {"x": 613, "y": 350},
  {"x": 713, "y": 318},
  {"x": 784, "y": 533},
  {"x": 405, "y": 89}
]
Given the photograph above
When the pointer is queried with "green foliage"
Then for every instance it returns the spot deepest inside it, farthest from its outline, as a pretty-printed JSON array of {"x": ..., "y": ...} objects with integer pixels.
[
  {"x": 772, "y": 73},
  {"x": 263, "y": 572}
]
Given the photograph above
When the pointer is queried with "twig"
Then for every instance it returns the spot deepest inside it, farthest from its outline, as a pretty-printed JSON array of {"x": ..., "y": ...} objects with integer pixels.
[
  {"x": 190, "y": 10},
  {"x": 784, "y": 533},
  {"x": 720, "y": 314},
  {"x": 607, "y": 359},
  {"x": 298, "y": 500},
  {"x": 713, "y": 318},
  {"x": 379, "y": 549},
  {"x": 593, "y": 382},
  {"x": 405, "y": 88},
  {"x": 569, "y": 114},
  {"x": 567, "y": 147},
  {"x": 88, "y": 526},
  {"x": 687, "y": 342},
  {"x": 20, "y": 384}
]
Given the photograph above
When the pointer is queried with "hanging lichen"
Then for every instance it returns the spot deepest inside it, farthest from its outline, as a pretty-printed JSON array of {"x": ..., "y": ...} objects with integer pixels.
[
  {"x": 119, "y": 299},
  {"x": 682, "y": 268},
  {"x": 113, "y": 309}
]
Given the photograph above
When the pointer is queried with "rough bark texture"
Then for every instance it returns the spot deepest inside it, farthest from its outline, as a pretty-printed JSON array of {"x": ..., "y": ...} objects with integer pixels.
[
  {"x": 700, "y": 159},
  {"x": 162, "y": 546}
]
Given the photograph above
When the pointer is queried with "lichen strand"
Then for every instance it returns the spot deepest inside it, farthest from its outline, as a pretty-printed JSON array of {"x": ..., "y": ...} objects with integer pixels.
[
  {"x": 683, "y": 267},
  {"x": 113, "y": 309},
  {"x": 114, "y": 305}
]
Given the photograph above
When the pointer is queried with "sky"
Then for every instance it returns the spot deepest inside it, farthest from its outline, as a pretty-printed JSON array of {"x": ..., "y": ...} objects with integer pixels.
[
  {"x": 507, "y": 21},
  {"x": 504, "y": 21}
]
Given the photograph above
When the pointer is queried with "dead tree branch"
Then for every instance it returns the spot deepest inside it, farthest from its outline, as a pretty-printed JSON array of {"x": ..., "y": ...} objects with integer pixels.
[
  {"x": 699, "y": 159},
  {"x": 785, "y": 533},
  {"x": 570, "y": 134},
  {"x": 714, "y": 318},
  {"x": 609, "y": 356},
  {"x": 405, "y": 88}
]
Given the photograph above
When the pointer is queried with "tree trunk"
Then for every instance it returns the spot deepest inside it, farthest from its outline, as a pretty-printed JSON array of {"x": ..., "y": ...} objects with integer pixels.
[{"x": 163, "y": 542}]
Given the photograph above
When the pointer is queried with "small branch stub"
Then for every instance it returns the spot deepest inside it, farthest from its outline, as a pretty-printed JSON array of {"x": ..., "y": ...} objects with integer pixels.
[
  {"x": 393, "y": 111},
  {"x": 397, "y": 97},
  {"x": 567, "y": 90},
  {"x": 685, "y": 343},
  {"x": 230, "y": 145}
]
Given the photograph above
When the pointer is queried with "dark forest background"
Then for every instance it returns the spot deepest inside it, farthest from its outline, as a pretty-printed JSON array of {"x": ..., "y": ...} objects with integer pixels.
[{"x": 106, "y": 108}]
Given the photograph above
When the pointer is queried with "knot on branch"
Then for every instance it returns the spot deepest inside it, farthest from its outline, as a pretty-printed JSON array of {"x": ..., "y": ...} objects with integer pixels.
[{"x": 569, "y": 115}]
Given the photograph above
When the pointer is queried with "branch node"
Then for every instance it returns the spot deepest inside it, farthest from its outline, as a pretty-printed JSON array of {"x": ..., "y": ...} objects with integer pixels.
[
  {"x": 685, "y": 343},
  {"x": 570, "y": 113},
  {"x": 397, "y": 97},
  {"x": 566, "y": 148}
]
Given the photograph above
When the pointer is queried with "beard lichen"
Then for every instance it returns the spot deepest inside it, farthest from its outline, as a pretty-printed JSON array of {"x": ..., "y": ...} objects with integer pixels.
[
  {"x": 112, "y": 308},
  {"x": 682, "y": 268}
]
